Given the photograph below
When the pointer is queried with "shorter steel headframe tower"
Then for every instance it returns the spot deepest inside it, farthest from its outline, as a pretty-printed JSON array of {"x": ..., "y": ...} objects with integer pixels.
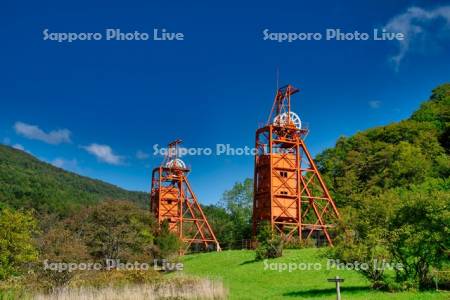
[
  {"x": 172, "y": 200},
  {"x": 289, "y": 191}
]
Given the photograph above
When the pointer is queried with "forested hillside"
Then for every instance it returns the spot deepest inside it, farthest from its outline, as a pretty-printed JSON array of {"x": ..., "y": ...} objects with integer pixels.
[
  {"x": 26, "y": 182},
  {"x": 392, "y": 185},
  {"x": 404, "y": 154}
]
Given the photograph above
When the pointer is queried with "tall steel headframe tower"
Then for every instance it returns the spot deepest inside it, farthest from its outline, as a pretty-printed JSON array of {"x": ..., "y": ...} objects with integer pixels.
[
  {"x": 288, "y": 190},
  {"x": 172, "y": 199}
]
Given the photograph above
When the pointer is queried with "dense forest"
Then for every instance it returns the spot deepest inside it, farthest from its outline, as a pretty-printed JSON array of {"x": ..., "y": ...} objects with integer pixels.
[{"x": 28, "y": 183}]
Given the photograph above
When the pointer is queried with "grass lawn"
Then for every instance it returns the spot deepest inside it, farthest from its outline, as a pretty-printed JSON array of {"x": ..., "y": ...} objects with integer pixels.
[{"x": 247, "y": 279}]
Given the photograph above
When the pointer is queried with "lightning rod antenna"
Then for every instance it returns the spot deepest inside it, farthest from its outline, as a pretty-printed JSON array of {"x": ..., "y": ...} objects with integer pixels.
[{"x": 278, "y": 77}]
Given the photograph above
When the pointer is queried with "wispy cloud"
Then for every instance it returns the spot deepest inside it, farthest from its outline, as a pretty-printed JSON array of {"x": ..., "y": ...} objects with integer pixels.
[
  {"x": 7, "y": 141},
  {"x": 104, "y": 153},
  {"x": 374, "y": 104},
  {"x": 33, "y": 132},
  {"x": 18, "y": 147},
  {"x": 62, "y": 163},
  {"x": 423, "y": 30},
  {"x": 142, "y": 155}
]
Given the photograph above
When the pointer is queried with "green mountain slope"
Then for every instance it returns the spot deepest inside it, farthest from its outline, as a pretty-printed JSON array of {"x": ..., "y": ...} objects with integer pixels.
[
  {"x": 26, "y": 182},
  {"x": 409, "y": 153}
]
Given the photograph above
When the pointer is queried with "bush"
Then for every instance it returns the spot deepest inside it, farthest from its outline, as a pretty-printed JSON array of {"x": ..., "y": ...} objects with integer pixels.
[
  {"x": 269, "y": 244},
  {"x": 442, "y": 279},
  {"x": 392, "y": 285}
]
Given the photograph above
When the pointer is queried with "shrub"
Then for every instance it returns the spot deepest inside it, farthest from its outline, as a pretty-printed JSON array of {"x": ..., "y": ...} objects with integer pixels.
[{"x": 269, "y": 244}]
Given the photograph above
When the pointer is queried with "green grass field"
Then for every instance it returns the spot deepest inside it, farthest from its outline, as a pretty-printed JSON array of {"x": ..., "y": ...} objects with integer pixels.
[{"x": 247, "y": 279}]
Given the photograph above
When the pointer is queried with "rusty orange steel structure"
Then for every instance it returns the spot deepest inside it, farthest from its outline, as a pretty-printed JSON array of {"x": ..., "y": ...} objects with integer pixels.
[
  {"x": 289, "y": 191},
  {"x": 172, "y": 199}
]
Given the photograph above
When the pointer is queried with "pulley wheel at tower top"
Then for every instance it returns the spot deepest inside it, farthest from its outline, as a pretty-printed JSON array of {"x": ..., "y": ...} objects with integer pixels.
[
  {"x": 176, "y": 163},
  {"x": 282, "y": 120}
]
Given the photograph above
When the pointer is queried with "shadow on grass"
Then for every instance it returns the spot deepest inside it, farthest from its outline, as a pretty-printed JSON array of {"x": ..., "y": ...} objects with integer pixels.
[
  {"x": 326, "y": 292},
  {"x": 248, "y": 262}
]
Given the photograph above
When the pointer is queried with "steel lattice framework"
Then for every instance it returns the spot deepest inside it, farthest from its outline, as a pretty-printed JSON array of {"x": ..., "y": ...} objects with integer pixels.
[
  {"x": 172, "y": 200},
  {"x": 289, "y": 191}
]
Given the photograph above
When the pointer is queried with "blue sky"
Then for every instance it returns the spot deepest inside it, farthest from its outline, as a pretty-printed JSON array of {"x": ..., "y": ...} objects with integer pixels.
[{"x": 90, "y": 106}]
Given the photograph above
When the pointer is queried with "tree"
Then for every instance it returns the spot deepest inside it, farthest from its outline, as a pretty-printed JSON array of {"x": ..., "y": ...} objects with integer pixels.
[
  {"x": 358, "y": 240},
  {"x": 362, "y": 235},
  {"x": 115, "y": 230},
  {"x": 222, "y": 225},
  {"x": 420, "y": 236},
  {"x": 238, "y": 204},
  {"x": 408, "y": 228},
  {"x": 59, "y": 245},
  {"x": 167, "y": 244},
  {"x": 16, "y": 241}
]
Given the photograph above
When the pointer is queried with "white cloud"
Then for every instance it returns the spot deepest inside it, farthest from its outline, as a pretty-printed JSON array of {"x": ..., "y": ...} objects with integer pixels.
[
  {"x": 423, "y": 29},
  {"x": 7, "y": 141},
  {"x": 21, "y": 148},
  {"x": 33, "y": 132},
  {"x": 374, "y": 104},
  {"x": 104, "y": 153},
  {"x": 18, "y": 147},
  {"x": 65, "y": 164},
  {"x": 142, "y": 155}
]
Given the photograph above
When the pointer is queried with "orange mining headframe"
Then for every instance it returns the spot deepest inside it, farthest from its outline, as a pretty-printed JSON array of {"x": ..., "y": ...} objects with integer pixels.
[
  {"x": 289, "y": 191},
  {"x": 172, "y": 200}
]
